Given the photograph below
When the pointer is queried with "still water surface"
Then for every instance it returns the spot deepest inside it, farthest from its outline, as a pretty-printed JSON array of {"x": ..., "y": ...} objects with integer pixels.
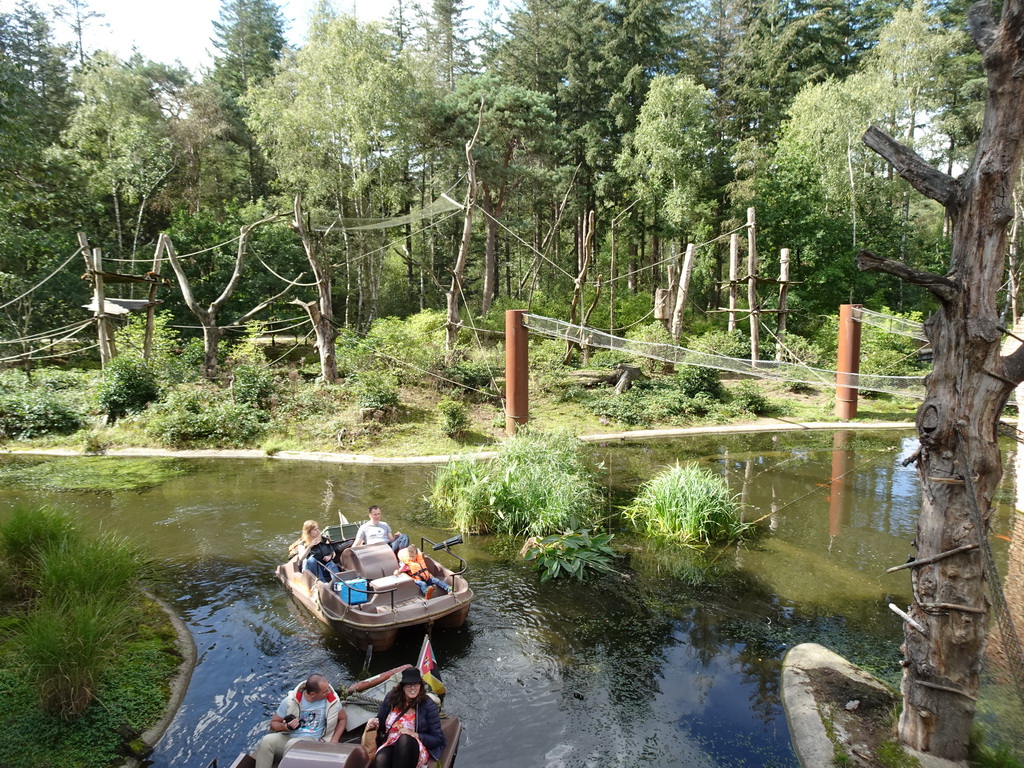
[{"x": 652, "y": 666}]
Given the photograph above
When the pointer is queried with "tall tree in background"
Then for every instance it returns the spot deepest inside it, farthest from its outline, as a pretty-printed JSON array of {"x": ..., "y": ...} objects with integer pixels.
[
  {"x": 250, "y": 38},
  {"x": 41, "y": 201},
  {"x": 959, "y": 462},
  {"x": 119, "y": 135},
  {"x": 448, "y": 43},
  {"x": 78, "y": 16}
]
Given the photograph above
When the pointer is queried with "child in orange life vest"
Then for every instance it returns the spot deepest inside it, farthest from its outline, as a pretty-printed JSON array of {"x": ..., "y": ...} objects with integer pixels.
[{"x": 414, "y": 564}]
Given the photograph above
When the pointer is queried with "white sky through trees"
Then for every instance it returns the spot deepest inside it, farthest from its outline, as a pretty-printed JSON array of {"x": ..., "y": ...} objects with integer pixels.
[{"x": 180, "y": 30}]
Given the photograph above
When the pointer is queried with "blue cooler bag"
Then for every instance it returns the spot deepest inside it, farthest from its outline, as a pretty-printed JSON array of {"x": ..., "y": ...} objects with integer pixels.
[{"x": 352, "y": 592}]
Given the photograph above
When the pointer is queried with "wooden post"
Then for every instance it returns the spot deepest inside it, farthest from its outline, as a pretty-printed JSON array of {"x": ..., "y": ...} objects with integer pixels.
[
  {"x": 734, "y": 268},
  {"x": 94, "y": 262},
  {"x": 681, "y": 294},
  {"x": 783, "y": 291},
  {"x": 517, "y": 380},
  {"x": 151, "y": 309},
  {"x": 848, "y": 361},
  {"x": 755, "y": 318}
]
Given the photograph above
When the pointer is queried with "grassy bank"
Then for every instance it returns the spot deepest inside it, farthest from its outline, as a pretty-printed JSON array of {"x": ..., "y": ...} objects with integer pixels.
[{"x": 85, "y": 655}]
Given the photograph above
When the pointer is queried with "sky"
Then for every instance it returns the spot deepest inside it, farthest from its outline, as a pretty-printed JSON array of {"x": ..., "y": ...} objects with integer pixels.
[{"x": 180, "y": 30}]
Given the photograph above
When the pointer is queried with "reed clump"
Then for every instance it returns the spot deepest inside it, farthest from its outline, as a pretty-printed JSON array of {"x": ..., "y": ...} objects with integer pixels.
[
  {"x": 540, "y": 483},
  {"x": 75, "y": 601},
  {"x": 687, "y": 505}
]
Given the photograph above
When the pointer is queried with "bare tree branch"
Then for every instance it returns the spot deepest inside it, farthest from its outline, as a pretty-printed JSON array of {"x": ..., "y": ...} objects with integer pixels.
[
  {"x": 943, "y": 288},
  {"x": 912, "y": 167}
]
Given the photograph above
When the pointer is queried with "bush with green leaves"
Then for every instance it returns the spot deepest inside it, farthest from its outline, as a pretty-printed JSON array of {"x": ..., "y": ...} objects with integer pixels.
[
  {"x": 171, "y": 360},
  {"x": 453, "y": 417},
  {"x": 694, "y": 380},
  {"x": 719, "y": 342},
  {"x": 36, "y": 412},
  {"x": 470, "y": 379},
  {"x": 649, "y": 334},
  {"x": 540, "y": 483},
  {"x": 575, "y": 553},
  {"x": 391, "y": 343},
  {"x": 687, "y": 505},
  {"x": 747, "y": 397},
  {"x": 376, "y": 390},
  {"x": 195, "y": 415},
  {"x": 129, "y": 385},
  {"x": 676, "y": 399}
]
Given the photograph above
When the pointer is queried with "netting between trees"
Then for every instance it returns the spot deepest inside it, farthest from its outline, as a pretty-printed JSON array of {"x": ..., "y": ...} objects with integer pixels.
[
  {"x": 898, "y": 325},
  {"x": 908, "y": 386}
]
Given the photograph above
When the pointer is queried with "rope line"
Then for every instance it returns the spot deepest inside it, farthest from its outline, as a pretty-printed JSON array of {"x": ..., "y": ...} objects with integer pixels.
[{"x": 44, "y": 280}]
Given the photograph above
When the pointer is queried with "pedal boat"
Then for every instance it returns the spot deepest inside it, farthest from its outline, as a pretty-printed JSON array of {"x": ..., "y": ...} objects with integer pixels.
[{"x": 369, "y": 605}]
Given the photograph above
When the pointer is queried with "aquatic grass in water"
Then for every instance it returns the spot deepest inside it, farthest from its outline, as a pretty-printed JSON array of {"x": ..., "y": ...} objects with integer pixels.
[
  {"x": 687, "y": 505},
  {"x": 30, "y": 531},
  {"x": 92, "y": 473},
  {"x": 575, "y": 553},
  {"x": 539, "y": 484}
]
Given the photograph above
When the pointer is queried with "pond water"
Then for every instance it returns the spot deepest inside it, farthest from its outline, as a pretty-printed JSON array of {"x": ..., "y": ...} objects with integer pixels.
[{"x": 658, "y": 665}]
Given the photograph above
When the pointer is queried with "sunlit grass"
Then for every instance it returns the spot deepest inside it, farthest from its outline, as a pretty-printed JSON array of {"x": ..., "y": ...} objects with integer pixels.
[
  {"x": 687, "y": 505},
  {"x": 539, "y": 484}
]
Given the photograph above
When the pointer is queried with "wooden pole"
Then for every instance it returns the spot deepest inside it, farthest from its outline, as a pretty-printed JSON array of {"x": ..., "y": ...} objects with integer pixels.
[
  {"x": 848, "y": 361},
  {"x": 681, "y": 294},
  {"x": 100, "y": 298},
  {"x": 151, "y": 309},
  {"x": 517, "y": 386},
  {"x": 783, "y": 291},
  {"x": 755, "y": 351},
  {"x": 734, "y": 269}
]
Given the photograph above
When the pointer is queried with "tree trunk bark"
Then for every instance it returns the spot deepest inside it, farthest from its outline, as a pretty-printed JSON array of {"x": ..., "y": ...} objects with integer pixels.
[
  {"x": 959, "y": 462},
  {"x": 321, "y": 311}
]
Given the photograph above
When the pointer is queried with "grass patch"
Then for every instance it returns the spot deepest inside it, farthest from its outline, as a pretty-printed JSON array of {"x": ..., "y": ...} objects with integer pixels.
[
  {"x": 687, "y": 505},
  {"x": 540, "y": 484},
  {"x": 91, "y": 473}
]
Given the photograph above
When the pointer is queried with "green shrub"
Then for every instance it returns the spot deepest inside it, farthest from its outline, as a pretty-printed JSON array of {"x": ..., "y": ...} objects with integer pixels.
[
  {"x": 252, "y": 385},
  {"x": 694, "y": 380},
  {"x": 472, "y": 380},
  {"x": 650, "y": 333},
  {"x": 35, "y": 412},
  {"x": 721, "y": 343},
  {"x": 688, "y": 505},
  {"x": 194, "y": 415},
  {"x": 128, "y": 386},
  {"x": 748, "y": 397},
  {"x": 417, "y": 341},
  {"x": 575, "y": 553},
  {"x": 376, "y": 391},
  {"x": 540, "y": 483},
  {"x": 454, "y": 418},
  {"x": 171, "y": 361}
]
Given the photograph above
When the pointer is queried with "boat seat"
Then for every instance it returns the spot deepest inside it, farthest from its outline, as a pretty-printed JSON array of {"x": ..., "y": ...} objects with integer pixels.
[{"x": 371, "y": 561}]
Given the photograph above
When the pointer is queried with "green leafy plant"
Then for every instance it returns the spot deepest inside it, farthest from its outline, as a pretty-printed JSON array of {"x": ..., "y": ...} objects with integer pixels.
[
  {"x": 195, "y": 415},
  {"x": 376, "y": 391},
  {"x": 747, "y": 397},
  {"x": 128, "y": 386},
  {"x": 687, "y": 505},
  {"x": 575, "y": 553},
  {"x": 36, "y": 412},
  {"x": 453, "y": 417}
]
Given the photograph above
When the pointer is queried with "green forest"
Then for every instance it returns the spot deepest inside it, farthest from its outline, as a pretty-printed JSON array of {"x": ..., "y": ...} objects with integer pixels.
[{"x": 664, "y": 119}]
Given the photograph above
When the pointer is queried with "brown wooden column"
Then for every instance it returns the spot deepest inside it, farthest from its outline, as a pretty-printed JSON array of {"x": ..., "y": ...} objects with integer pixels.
[
  {"x": 517, "y": 379},
  {"x": 848, "y": 361}
]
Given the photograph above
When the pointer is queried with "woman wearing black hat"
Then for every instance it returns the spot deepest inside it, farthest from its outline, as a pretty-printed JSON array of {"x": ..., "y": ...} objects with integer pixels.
[{"x": 409, "y": 726}]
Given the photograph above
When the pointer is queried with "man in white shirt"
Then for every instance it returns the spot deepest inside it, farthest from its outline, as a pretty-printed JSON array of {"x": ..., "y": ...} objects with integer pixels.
[
  {"x": 310, "y": 712},
  {"x": 376, "y": 531}
]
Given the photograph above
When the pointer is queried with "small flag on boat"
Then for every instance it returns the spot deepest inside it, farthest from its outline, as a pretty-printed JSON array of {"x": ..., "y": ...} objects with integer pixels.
[{"x": 426, "y": 664}]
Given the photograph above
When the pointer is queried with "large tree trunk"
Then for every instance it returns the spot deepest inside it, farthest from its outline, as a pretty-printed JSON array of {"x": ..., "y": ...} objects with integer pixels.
[
  {"x": 959, "y": 463},
  {"x": 321, "y": 311}
]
